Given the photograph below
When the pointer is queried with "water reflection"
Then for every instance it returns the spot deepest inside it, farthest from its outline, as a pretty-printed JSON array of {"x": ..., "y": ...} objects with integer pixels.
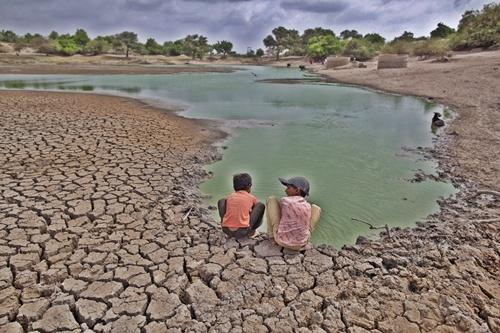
[{"x": 64, "y": 85}]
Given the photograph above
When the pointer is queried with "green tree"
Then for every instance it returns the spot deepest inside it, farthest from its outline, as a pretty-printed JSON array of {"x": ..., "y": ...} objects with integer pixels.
[
  {"x": 81, "y": 38},
  {"x": 479, "y": 29},
  {"x": 8, "y": 36},
  {"x": 309, "y": 33},
  {"x": 346, "y": 34},
  {"x": 195, "y": 46},
  {"x": 128, "y": 39},
  {"x": 173, "y": 48},
  {"x": 405, "y": 36},
  {"x": 374, "y": 38},
  {"x": 152, "y": 47},
  {"x": 67, "y": 46},
  {"x": 97, "y": 46},
  {"x": 53, "y": 35},
  {"x": 259, "y": 53},
  {"x": 320, "y": 47},
  {"x": 360, "y": 49},
  {"x": 223, "y": 47},
  {"x": 442, "y": 31},
  {"x": 283, "y": 39}
]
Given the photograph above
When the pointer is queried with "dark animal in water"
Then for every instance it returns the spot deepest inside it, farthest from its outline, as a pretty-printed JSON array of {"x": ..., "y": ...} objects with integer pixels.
[
  {"x": 302, "y": 67},
  {"x": 436, "y": 121},
  {"x": 254, "y": 74},
  {"x": 288, "y": 65}
]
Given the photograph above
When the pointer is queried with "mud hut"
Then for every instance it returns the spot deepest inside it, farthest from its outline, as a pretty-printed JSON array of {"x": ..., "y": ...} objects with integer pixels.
[
  {"x": 392, "y": 61},
  {"x": 333, "y": 62}
]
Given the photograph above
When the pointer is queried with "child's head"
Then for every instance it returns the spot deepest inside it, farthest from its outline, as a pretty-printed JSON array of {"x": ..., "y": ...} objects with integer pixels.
[
  {"x": 296, "y": 186},
  {"x": 242, "y": 182}
]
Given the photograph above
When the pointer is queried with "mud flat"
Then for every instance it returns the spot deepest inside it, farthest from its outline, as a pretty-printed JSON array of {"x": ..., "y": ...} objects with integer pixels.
[{"x": 95, "y": 193}]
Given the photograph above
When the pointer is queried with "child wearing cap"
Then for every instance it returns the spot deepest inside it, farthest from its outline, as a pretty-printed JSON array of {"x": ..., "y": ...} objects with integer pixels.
[
  {"x": 291, "y": 219},
  {"x": 240, "y": 212}
]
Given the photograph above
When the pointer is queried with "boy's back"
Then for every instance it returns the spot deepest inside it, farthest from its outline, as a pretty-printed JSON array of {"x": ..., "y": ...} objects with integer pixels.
[{"x": 238, "y": 207}]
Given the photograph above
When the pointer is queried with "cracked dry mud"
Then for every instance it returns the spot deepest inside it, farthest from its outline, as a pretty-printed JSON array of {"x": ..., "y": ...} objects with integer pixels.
[{"x": 93, "y": 191}]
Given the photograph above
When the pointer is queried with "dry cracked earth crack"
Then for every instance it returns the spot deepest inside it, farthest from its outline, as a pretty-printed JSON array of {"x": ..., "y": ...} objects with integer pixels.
[{"x": 92, "y": 194}]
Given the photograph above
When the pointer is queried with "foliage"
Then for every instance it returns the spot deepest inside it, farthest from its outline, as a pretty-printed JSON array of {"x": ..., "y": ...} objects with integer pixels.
[
  {"x": 309, "y": 33},
  {"x": 478, "y": 28},
  {"x": 432, "y": 48},
  {"x": 97, "y": 46},
  {"x": 128, "y": 39},
  {"x": 406, "y": 36},
  {"x": 152, "y": 47},
  {"x": 53, "y": 35},
  {"x": 195, "y": 46},
  {"x": 66, "y": 46},
  {"x": 321, "y": 47},
  {"x": 442, "y": 31},
  {"x": 47, "y": 47},
  {"x": 81, "y": 38},
  {"x": 374, "y": 38},
  {"x": 284, "y": 39},
  {"x": 360, "y": 49},
  {"x": 223, "y": 47},
  {"x": 259, "y": 53},
  {"x": 397, "y": 47},
  {"x": 346, "y": 34},
  {"x": 173, "y": 48},
  {"x": 8, "y": 36}
]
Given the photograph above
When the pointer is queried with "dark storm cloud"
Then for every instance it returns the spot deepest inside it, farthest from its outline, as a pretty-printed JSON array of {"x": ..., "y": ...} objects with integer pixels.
[
  {"x": 244, "y": 22},
  {"x": 314, "y": 6}
]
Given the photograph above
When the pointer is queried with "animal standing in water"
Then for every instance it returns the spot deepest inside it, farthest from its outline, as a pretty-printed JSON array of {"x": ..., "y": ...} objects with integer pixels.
[{"x": 436, "y": 121}]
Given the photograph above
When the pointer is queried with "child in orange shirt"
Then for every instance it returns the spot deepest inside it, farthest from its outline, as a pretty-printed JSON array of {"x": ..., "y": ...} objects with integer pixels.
[{"x": 240, "y": 212}]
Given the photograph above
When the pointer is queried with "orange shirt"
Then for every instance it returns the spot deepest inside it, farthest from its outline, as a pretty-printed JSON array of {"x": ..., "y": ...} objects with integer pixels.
[{"x": 238, "y": 207}]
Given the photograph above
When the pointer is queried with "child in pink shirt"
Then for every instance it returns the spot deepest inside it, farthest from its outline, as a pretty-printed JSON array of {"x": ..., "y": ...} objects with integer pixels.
[{"x": 291, "y": 220}]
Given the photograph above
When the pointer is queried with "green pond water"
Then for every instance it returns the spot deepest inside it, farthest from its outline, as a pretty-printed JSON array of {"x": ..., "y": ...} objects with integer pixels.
[{"x": 349, "y": 142}]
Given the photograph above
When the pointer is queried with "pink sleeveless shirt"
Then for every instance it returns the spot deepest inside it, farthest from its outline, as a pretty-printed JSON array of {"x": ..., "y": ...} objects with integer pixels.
[{"x": 294, "y": 228}]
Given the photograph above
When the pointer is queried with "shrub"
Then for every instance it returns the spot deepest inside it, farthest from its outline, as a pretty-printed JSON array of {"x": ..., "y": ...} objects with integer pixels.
[
  {"x": 359, "y": 49},
  {"x": 97, "y": 46},
  {"x": 432, "y": 48},
  {"x": 397, "y": 47},
  {"x": 478, "y": 29},
  {"x": 66, "y": 46}
]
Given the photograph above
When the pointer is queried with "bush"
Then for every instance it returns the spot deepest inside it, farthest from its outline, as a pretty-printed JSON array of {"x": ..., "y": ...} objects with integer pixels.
[
  {"x": 432, "y": 48},
  {"x": 97, "y": 46},
  {"x": 397, "y": 47},
  {"x": 478, "y": 29},
  {"x": 48, "y": 48},
  {"x": 66, "y": 46},
  {"x": 359, "y": 49}
]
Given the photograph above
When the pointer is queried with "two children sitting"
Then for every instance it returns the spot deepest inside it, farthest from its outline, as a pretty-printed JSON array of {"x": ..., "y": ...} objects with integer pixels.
[{"x": 290, "y": 220}]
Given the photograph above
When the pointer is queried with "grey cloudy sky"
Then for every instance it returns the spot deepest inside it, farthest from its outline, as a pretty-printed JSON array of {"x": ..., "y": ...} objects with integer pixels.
[{"x": 244, "y": 22}]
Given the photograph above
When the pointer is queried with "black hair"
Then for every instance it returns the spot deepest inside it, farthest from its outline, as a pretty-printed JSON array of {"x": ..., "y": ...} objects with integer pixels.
[
  {"x": 301, "y": 193},
  {"x": 242, "y": 181}
]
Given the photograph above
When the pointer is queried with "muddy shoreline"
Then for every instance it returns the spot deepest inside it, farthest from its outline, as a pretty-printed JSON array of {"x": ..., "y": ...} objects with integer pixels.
[{"x": 94, "y": 195}]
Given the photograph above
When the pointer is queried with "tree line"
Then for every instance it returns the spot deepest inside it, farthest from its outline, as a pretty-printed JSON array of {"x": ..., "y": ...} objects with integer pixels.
[
  {"x": 477, "y": 28},
  {"x": 195, "y": 46}
]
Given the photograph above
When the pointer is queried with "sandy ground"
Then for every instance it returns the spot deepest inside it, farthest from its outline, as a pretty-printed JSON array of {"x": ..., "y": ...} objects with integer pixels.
[
  {"x": 102, "y": 227},
  {"x": 110, "y": 64}
]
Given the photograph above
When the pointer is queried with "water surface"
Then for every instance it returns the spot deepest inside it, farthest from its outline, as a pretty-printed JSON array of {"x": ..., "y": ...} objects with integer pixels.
[{"x": 347, "y": 141}]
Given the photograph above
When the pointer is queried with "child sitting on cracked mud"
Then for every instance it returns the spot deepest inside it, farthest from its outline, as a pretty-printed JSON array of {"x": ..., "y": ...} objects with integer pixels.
[
  {"x": 240, "y": 212},
  {"x": 291, "y": 220}
]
